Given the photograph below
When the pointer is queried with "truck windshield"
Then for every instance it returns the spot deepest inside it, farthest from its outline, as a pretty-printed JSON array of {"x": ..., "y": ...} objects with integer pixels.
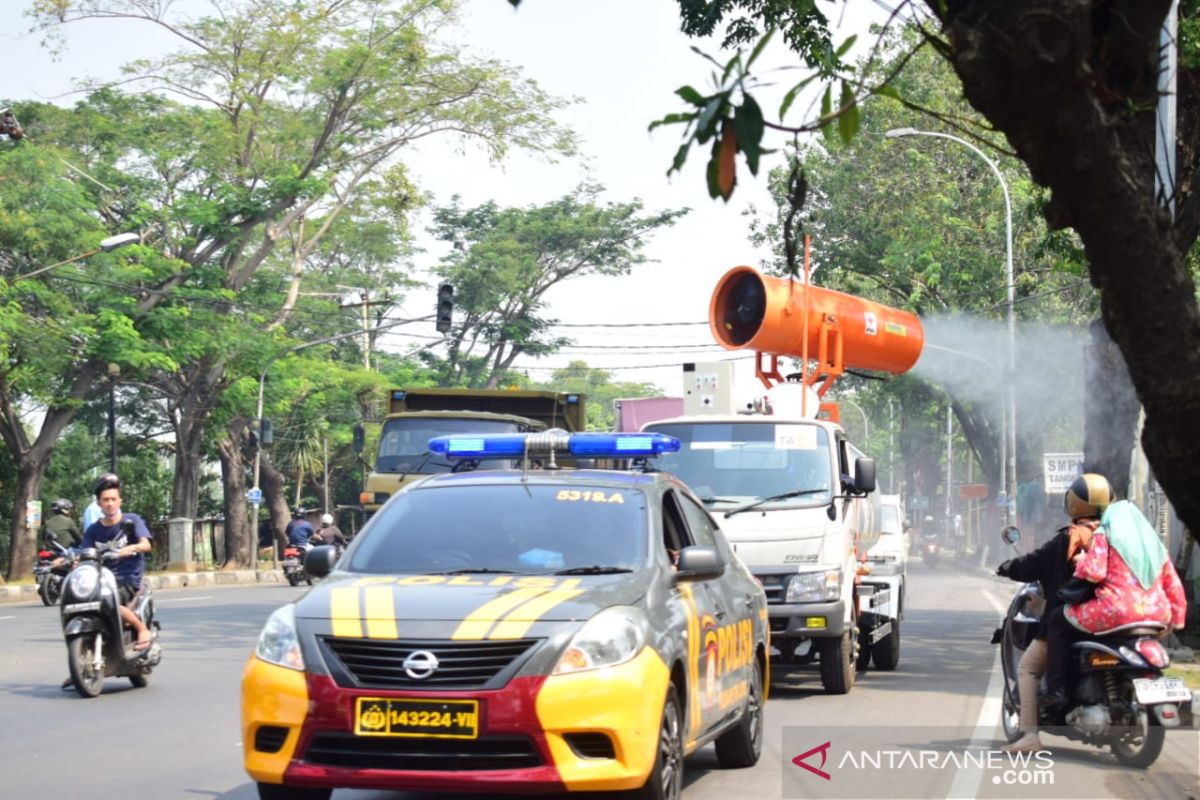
[
  {"x": 404, "y": 443},
  {"x": 751, "y": 460},
  {"x": 511, "y": 527}
]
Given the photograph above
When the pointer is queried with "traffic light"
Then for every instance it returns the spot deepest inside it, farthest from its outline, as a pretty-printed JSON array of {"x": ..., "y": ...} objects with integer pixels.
[
  {"x": 445, "y": 307},
  {"x": 265, "y": 433}
]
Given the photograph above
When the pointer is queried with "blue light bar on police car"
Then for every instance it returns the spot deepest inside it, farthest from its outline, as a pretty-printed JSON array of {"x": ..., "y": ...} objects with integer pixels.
[{"x": 583, "y": 445}]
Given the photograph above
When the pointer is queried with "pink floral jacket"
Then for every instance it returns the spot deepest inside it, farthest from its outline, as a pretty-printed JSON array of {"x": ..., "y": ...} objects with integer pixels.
[{"x": 1120, "y": 598}]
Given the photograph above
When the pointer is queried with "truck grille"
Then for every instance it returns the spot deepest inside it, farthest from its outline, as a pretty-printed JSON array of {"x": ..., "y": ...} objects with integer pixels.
[
  {"x": 337, "y": 749},
  {"x": 775, "y": 587},
  {"x": 379, "y": 663}
]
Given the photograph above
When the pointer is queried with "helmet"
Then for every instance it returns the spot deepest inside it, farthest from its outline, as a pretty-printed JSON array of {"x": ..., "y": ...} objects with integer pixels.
[
  {"x": 1087, "y": 496},
  {"x": 62, "y": 506},
  {"x": 298, "y": 513},
  {"x": 327, "y": 519},
  {"x": 106, "y": 481}
]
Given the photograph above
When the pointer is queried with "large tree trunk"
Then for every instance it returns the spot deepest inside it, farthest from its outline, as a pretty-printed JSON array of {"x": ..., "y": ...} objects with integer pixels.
[
  {"x": 1110, "y": 408},
  {"x": 273, "y": 486},
  {"x": 23, "y": 548},
  {"x": 197, "y": 392},
  {"x": 241, "y": 543},
  {"x": 1073, "y": 85}
]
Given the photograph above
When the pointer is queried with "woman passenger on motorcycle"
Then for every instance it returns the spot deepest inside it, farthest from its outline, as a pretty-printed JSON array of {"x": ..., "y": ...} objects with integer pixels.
[
  {"x": 1052, "y": 565},
  {"x": 1135, "y": 582}
]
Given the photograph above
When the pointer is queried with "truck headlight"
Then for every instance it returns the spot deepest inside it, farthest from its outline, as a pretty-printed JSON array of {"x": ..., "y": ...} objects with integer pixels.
[
  {"x": 814, "y": 587},
  {"x": 612, "y": 637},
  {"x": 279, "y": 643}
]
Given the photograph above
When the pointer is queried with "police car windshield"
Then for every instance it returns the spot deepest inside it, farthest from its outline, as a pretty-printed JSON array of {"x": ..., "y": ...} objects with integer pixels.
[
  {"x": 404, "y": 442},
  {"x": 512, "y": 527}
]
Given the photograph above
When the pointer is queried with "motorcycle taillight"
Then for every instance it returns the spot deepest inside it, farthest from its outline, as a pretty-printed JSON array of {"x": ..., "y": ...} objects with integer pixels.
[
  {"x": 1153, "y": 652},
  {"x": 45, "y": 554},
  {"x": 291, "y": 552}
]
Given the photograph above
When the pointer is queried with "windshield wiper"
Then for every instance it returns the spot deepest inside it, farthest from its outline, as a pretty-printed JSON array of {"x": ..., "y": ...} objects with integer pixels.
[
  {"x": 596, "y": 569},
  {"x": 764, "y": 500},
  {"x": 717, "y": 500},
  {"x": 474, "y": 571}
]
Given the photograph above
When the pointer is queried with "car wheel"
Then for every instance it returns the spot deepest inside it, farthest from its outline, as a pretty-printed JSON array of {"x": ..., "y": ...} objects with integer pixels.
[
  {"x": 742, "y": 746},
  {"x": 666, "y": 778}
]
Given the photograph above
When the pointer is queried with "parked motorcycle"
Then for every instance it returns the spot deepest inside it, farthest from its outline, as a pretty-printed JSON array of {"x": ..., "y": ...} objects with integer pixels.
[
  {"x": 98, "y": 645},
  {"x": 293, "y": 564},
  {"x": 49, "y": 577},
  {"x": 1118, "y": 697}
]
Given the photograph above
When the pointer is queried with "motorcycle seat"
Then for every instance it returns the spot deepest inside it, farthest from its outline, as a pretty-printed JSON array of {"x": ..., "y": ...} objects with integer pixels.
[{"x": 1142, "y": 628}]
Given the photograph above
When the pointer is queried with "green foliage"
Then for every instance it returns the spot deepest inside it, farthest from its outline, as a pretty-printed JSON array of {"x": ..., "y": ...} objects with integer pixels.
[{"x": 512, "y": 257}]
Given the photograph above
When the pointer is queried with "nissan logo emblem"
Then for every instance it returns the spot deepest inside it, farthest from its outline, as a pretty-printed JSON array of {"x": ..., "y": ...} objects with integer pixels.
[{"x": 420, "y": 664}]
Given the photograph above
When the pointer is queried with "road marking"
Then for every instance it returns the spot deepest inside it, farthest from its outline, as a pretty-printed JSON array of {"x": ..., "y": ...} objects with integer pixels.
[
  {"x": 968, "y": 780},
  {"x": 10, "y": 617},
  {"x": 185, "y": 599}
]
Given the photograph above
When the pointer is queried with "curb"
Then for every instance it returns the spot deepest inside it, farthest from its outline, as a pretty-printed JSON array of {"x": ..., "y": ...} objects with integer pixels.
[{"x": 168, "y": 580}]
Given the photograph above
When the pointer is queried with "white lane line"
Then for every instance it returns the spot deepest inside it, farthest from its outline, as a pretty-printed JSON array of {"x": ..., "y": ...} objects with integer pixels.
[
  {"x": 968, "y": 780},
  {"x": 9, "y": 617},
  {"x": 185, "y": 599}
]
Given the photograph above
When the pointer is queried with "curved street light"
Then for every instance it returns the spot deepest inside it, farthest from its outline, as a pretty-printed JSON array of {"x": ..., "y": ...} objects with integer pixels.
[
  {"x": 107, "y": 244},
  {"x": 1008, "y": 443}
]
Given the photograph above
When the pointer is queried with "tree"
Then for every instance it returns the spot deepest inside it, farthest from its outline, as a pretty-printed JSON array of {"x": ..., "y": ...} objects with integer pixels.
[
  {"x": 1072, "y": 86},
  {"x": 295, "y": 108},
  {"x": 513, "y": 257}
]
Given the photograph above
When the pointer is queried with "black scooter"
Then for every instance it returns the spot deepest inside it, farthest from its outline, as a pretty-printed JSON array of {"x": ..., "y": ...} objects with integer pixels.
[
  {"x": 98, "y": 645},
  {"x": 49, "y": 577},
  {"x": 1118, "y": 697}
]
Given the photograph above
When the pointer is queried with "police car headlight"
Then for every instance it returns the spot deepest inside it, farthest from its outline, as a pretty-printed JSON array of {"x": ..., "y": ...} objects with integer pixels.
[
  {"x": 612, "y": 637},
  {"x": 83, "y": 581},
  {"x": 814, "y": 587},
  {"x": 279, "y": 643}
]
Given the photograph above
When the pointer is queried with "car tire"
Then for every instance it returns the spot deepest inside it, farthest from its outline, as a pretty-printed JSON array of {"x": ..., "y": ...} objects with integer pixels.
[
  {"x": 886, "y": 652},
  {"x": 666, "y": 777},
  {"x": 277, "y": 791},
  {"x": 742, "y": 745},
  {"x": 838, "y": 663}
]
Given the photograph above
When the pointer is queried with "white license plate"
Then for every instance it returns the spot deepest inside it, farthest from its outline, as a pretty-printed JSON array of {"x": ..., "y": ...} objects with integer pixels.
[{"x": 1161, "y": 690}]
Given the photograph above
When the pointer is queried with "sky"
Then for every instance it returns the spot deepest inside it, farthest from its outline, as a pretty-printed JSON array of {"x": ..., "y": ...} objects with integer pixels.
[{"x": 625, "y": 59}]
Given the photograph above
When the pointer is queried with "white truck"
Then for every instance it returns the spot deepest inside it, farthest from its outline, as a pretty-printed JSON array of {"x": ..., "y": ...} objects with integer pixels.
[{"x": 794, "y": 498}]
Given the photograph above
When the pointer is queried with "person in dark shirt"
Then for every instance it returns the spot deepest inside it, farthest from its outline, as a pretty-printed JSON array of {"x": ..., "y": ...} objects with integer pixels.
[
  {"x": 299, "y": 530},
  {"x": 132, "y": 541},
  {"x": 328, "y": 533},
  {"x": 62, "y": 525}
]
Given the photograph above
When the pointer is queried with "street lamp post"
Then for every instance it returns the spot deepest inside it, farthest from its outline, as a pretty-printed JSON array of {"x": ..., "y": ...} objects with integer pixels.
[
  {"x": 106, "y": 245},
  {"x": 1008, "y": 439}
]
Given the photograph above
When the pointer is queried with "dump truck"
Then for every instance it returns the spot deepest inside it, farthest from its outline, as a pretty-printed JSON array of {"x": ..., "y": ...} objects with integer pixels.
[{"x": 417, "y": 415}]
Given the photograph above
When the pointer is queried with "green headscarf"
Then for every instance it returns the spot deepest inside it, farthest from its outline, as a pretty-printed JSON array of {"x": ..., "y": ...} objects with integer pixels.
[{"x": 1132, "y": 535}]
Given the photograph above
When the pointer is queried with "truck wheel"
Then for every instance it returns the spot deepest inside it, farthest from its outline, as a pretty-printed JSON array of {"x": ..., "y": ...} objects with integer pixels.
[
  {"x": 742, "y": 745},
  {"x": 864, "y": 652},
  {"x": 837, "y": 663},
  {"x": 886, "y": 652}
]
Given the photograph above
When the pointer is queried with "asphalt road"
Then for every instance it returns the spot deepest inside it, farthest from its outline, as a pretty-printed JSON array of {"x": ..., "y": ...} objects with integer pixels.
[{"x": 179, "y": 737}]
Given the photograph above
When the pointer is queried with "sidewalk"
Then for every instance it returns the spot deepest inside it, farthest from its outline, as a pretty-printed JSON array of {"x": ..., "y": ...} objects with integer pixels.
[{"x": 166, "y": 580}]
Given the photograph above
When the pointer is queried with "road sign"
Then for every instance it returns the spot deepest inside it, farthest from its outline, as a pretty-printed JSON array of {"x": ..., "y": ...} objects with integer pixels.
[
  {"x": 973, "y": 491},
  {"x": 918, "y": 502},
  {"x": 1060, "y": 469},
  {"x": 254, "y": 496}
]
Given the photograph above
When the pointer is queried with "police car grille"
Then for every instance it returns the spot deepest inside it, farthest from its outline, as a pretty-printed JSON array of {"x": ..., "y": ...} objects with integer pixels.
[
  {"x": 338, "y": 749},
  {"x": 379, "y": 663}
]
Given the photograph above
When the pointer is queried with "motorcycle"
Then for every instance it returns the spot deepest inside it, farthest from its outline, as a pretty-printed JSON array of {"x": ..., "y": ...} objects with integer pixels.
[
  {"x": 293, "y": 564},
  {"x": 98, "y": 645},
  {"x": 1117, "y": 695},
  {"x": 49, "y": 577},
  {"x": 931, "y": 551}
]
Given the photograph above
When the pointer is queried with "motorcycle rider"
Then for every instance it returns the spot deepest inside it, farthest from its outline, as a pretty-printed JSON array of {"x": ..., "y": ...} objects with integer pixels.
[
  {"x": 299, "y": 531},
  {"x": 62, "y": 525},
  {"x": 1052, "y": 565},
  {"x": 131, "y": 568},
  {"x": 328, "y": 533}
]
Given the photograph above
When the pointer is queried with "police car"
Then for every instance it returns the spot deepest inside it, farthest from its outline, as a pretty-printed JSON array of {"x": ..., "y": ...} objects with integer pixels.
[{"x": 518, "y": 630}]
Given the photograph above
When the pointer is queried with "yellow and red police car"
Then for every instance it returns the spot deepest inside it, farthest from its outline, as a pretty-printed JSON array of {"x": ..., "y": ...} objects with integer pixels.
[{"x": 515, "y": 630}]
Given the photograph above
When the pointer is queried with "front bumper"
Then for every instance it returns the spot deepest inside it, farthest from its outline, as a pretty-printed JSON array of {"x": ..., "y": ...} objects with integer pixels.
[
  {"x": 800, "y": 620},
  {"x": 527, "y": 740}
]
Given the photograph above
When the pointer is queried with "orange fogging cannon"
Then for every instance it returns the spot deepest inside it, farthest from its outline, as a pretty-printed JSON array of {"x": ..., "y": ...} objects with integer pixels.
[{"x": 780, "y": 317}]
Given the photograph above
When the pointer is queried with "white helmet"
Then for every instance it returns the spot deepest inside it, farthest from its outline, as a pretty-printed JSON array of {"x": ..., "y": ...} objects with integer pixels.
[{"x": 327, "y": 519}]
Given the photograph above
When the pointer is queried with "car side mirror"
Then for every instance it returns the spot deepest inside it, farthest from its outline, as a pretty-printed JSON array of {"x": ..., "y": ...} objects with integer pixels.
[
  {"x": 1011, "y": 534},
  {"x": 699, "y": 563},
  {"x": 319, "y": 561},
  {"x": 864, "y": 475},
  {"x": 360, "y": 439}
]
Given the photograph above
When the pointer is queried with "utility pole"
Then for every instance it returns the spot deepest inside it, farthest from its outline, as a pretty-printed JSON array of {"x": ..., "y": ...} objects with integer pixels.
[
  {"x": 949, "y": 460},
  {"x": 325, "y": 470},
  {"x": 365, "y": 305}
]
